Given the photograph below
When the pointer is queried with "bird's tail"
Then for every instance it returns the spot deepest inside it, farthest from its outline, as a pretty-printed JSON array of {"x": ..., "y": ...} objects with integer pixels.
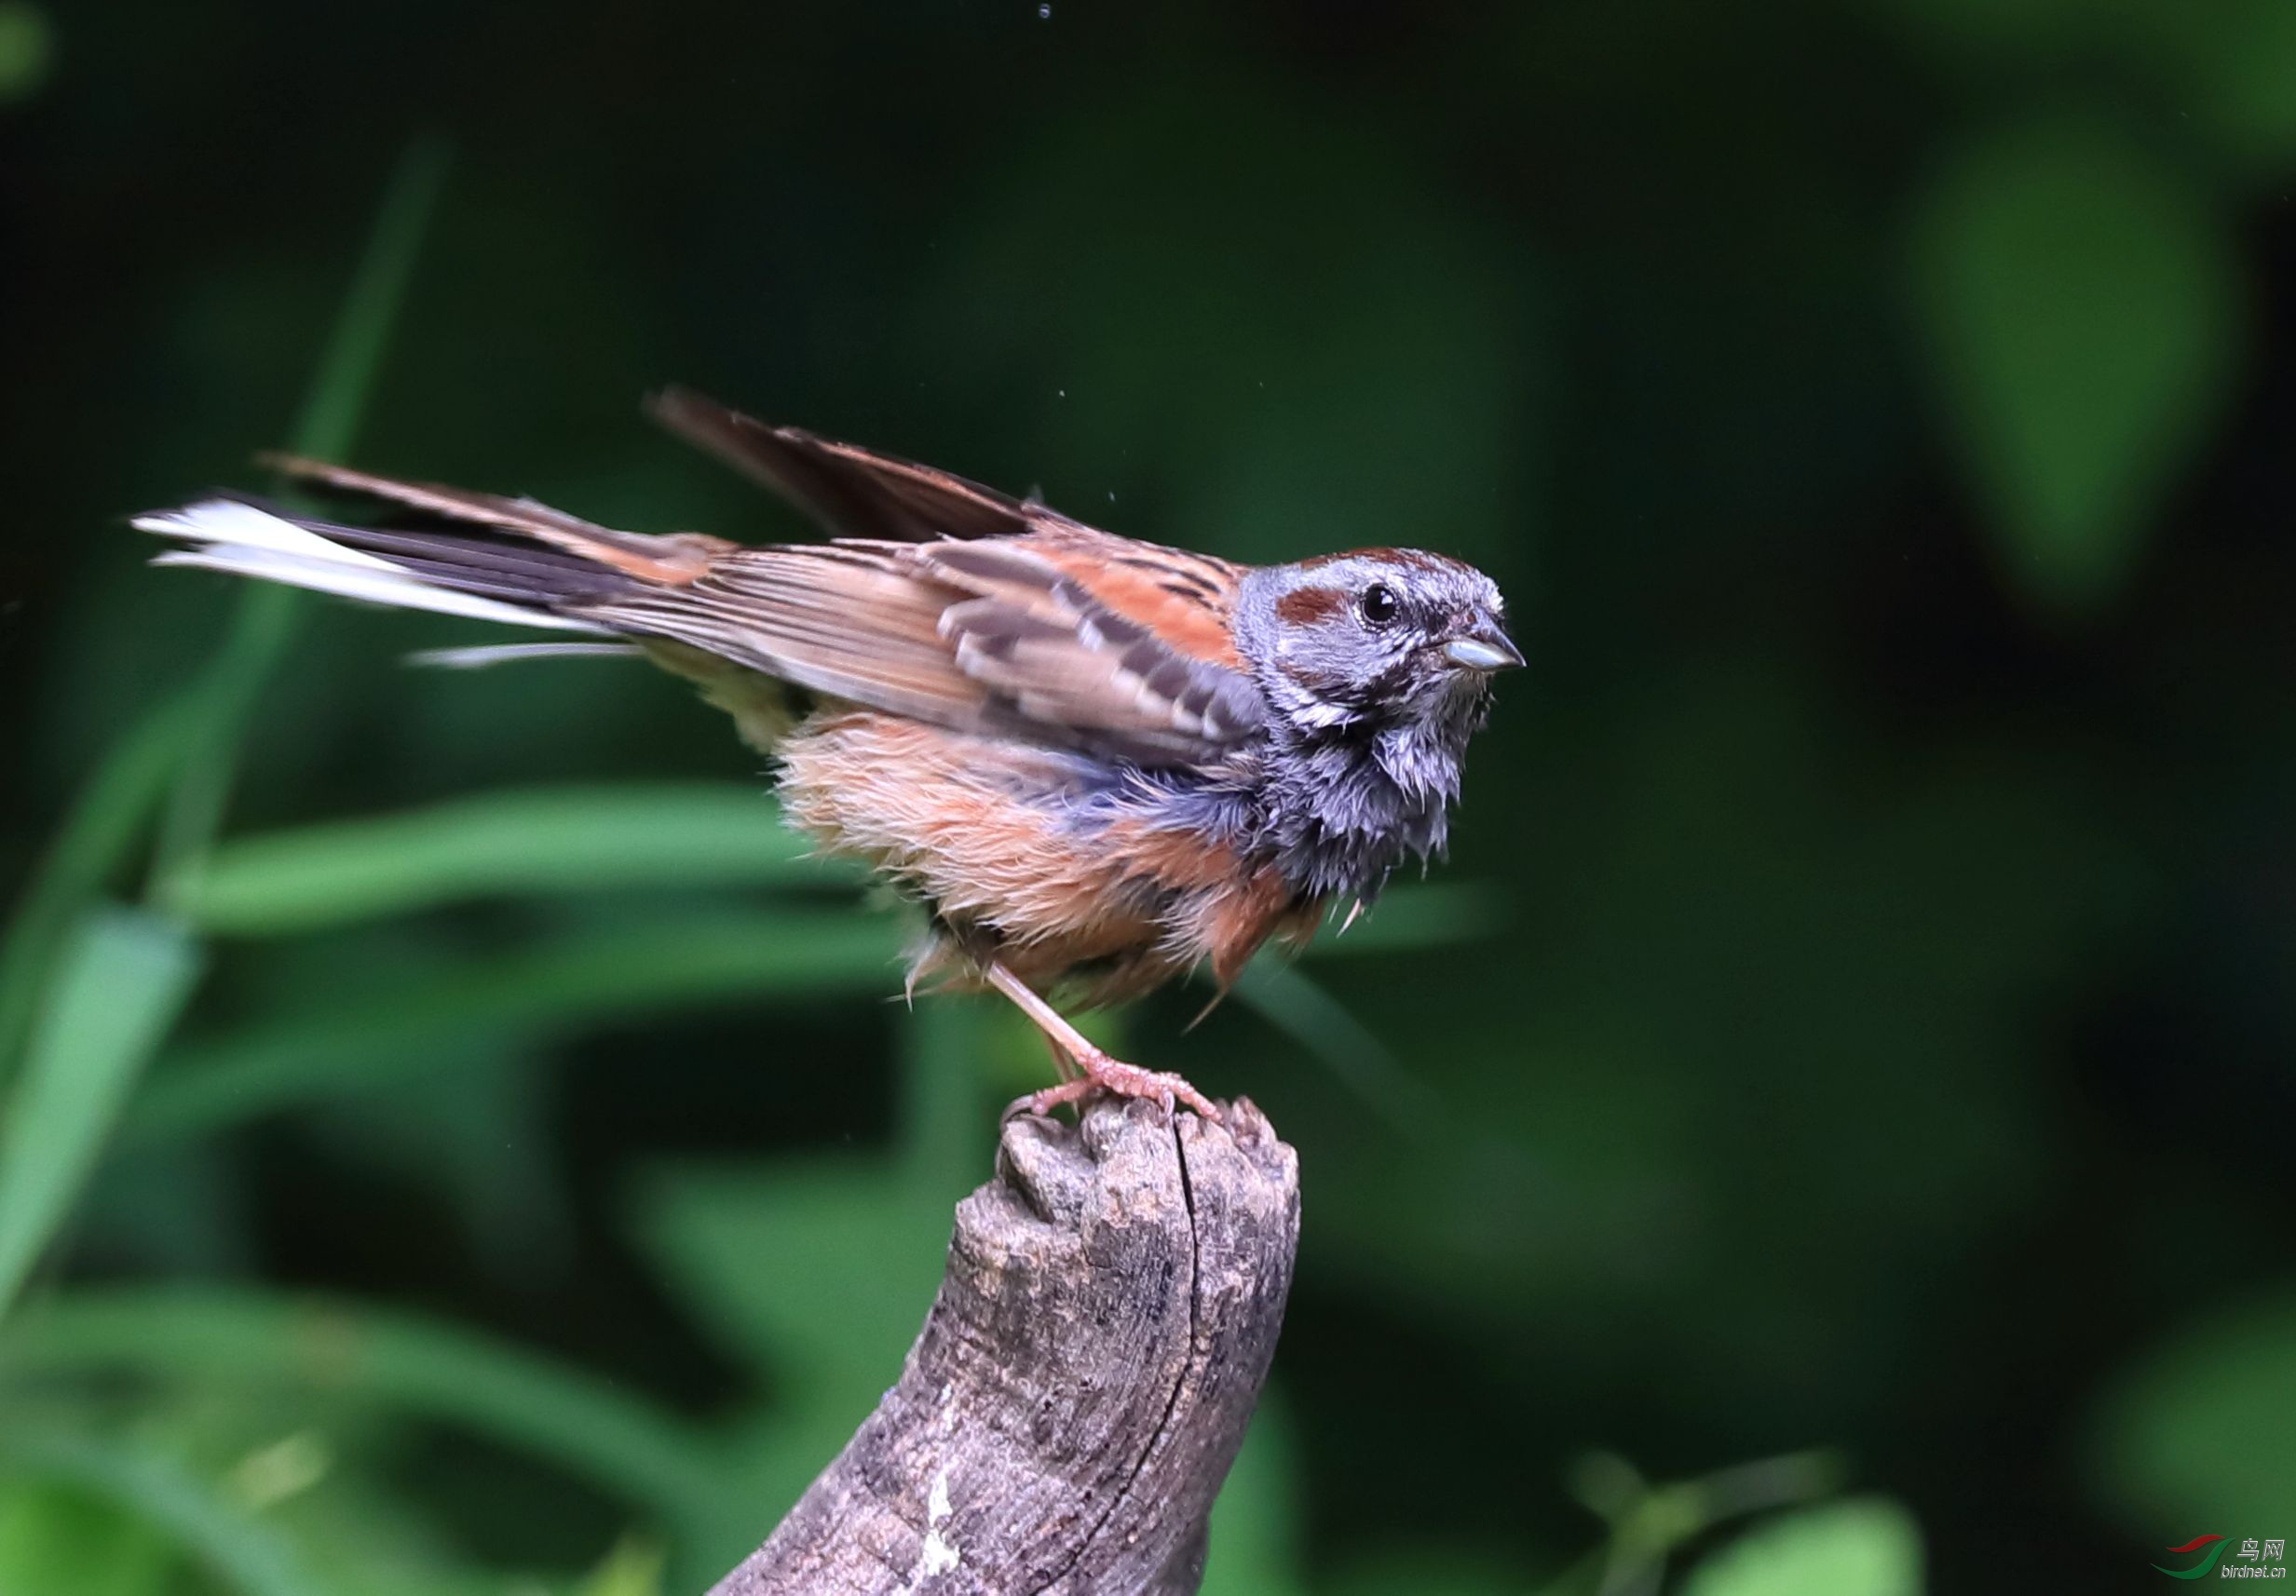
[
  {"x": 488, "y": 558},
  {"x": 444, "y": 550},
  {"x": 412, "y": 571}
]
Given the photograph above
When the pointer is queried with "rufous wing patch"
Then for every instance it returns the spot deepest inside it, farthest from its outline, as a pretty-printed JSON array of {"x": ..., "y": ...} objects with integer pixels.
[{"x": 1186, "y": 601}]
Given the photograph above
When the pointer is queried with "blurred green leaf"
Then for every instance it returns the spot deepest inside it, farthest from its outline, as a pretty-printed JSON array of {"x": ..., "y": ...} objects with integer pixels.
[
  {"x": 118, "y": 987},
  {"x": 2204, "y": 1428},
  {"x": 109, "y": 812},
  {"x": 27, "y": 50},
  {"x": 2245, "y": 77},
  {"x": 225, "y": 693},
  {"x": 1650, "y": 1522},
  {"x": 244, "y": 1553},
  {"x": 1258, "y": 1535},
  {"x": 326, "y": 1473},
  {"x": 559, "y": 839},
  {"x": 1864, "y": 1547},
  {"x": 411, "y": 1365},
  {"x": 818, "y": 1273},
  {"x": 633, "y": 1568},
  {"x": 60, "y": 1541},
  {"x": 579, "y": 979},
  {"x": 2082, "y": 308}
]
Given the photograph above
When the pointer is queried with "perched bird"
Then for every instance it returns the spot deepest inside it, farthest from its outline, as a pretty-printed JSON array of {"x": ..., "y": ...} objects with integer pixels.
[{"x": 1096, "y": 762}]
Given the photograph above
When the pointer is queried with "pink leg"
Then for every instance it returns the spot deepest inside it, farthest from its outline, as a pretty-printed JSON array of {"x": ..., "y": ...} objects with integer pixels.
[{"x": 1101, "y": 1073}]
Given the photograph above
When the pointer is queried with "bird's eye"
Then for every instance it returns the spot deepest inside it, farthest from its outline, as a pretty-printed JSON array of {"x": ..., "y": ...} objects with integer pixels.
[{"x": 1380, "y": 604}]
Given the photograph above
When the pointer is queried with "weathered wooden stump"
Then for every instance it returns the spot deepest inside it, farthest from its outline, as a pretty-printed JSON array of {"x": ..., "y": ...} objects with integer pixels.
[{"x": 1082, "y": 1382}]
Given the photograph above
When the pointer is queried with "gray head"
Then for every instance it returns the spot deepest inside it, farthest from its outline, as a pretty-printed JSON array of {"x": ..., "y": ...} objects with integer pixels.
[
  {"x": 1377, "y": 666},
  {"x": 1374, "y": 639}
]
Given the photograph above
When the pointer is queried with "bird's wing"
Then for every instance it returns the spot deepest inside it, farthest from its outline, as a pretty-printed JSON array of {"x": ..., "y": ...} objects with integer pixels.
[
  {"x": 855, "y": 621},
  {"x": 1000, "y": 635},
  {"x": 1075, "y": 631},
  {"x": 852, "y": 491},
  {"x": 970, "y": 610},
  {"x": 1115, "y": 644}
]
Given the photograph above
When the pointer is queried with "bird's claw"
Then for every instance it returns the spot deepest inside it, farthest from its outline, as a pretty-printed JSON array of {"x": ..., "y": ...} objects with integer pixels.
[{"x": 1119, "y": 1079}]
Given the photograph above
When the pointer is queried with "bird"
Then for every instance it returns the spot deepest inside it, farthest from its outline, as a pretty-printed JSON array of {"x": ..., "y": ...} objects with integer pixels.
[{"x": 1098, "y": 763}]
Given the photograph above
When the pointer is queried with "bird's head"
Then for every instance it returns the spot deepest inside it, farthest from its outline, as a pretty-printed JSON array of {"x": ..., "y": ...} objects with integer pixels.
[{"x": 1379, "y": 637}]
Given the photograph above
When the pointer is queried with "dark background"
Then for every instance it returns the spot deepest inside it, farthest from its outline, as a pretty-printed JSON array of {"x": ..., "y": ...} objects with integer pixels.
[{"x": 1857, "y": 1015}]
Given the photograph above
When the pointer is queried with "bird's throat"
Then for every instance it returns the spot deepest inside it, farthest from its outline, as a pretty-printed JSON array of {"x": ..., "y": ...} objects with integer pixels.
[{"x": 1344, "y": 807}]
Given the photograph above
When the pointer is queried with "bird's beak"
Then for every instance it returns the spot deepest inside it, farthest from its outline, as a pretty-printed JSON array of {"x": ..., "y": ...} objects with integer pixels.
[{"x": 1483, "y": 647}]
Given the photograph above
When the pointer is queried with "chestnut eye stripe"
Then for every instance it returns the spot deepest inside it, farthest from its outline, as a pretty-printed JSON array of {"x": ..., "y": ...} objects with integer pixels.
[{"x": 1311, "y": 606}]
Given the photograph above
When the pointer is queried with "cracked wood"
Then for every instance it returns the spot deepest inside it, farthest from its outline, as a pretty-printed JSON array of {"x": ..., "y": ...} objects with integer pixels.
[{"x": 1082, "y": 1381}]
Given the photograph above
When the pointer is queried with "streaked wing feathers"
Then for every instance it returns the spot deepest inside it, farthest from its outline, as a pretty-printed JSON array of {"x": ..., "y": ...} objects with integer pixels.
[
  {"x": 852, "y": 622},
  {"x": 956, "y": 603},
  {"x": 1186, "y": 599},
  {"x": 989, "y": 637},
  {"x": 852, "y": 491},
  {"x": 1043, "y": 630}
]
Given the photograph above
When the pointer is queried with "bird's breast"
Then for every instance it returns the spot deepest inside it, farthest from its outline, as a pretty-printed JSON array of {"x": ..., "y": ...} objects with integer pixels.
[{"x": 1062, "y": 863}]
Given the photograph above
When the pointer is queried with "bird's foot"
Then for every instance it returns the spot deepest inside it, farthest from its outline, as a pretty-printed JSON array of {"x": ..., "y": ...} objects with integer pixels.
[{"x": 1118, "y": 1078}]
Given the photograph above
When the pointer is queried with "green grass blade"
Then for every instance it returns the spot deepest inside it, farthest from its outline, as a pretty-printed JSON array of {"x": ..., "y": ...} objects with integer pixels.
[
  {"x": 245, "y": 1555},
  {"x": 416, "y": 1367},
  {"x": 111, "y": 811},
  {"x": 1304, "y": 1011},
  {"x": 338, "y": 396},
  {"x": 265, "y": 619},
  {"x": 188, "y": 736},
  {"x": 118, "y": 988},
  {"x": 941, "y": 1117},
  {"x": 555, "y": 988},
  {"x": 1866, "y": 1545},
  {"x": 1408, "y": 919},
  {"x": 1422, "y": 915},
  {"x": 548, "y": 840}
]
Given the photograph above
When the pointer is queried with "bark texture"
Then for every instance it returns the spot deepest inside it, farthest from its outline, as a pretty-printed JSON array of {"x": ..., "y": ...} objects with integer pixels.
[{"x": 1082, "y": 1382}]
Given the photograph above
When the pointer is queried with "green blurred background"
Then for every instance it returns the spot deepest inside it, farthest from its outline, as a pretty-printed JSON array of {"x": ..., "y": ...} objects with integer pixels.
[{"x": 1826, "y": 1131}]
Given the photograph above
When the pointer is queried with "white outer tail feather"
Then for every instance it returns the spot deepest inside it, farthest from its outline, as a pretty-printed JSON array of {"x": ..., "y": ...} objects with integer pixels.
[
  {"x": 514, "y": 653},
  {"x": 245, "y": 541}
]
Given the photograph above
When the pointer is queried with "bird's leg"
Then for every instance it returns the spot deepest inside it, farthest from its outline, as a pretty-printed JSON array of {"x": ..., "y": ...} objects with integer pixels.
[{"x": 1101, "y": 1073}]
